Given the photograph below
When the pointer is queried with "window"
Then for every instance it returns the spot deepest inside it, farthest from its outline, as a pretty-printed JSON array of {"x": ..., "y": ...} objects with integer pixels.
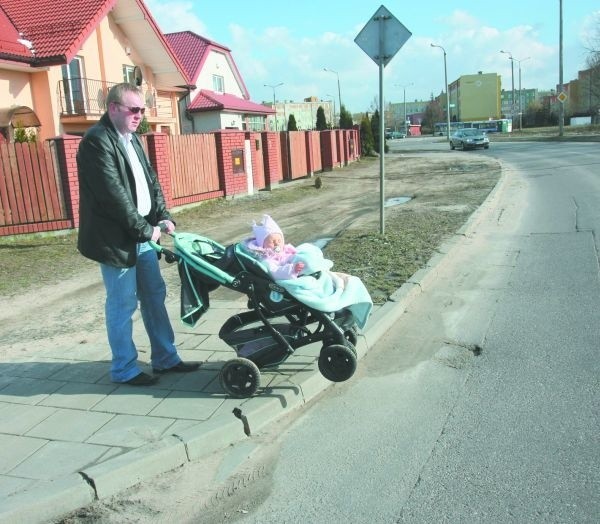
[
  {"x": 72, "y": 75},
  {"x": 218, "y": 84},
  {"x": 128, "y": 74},
  {"x": 255, "y": 123}
]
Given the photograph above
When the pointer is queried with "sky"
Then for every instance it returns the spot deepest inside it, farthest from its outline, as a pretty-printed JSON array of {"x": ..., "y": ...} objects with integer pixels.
[{"x": 274, "y": 42}]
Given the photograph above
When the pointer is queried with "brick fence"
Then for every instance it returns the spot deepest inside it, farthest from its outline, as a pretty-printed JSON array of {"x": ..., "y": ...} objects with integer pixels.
[{"x": 190, "y": 168}]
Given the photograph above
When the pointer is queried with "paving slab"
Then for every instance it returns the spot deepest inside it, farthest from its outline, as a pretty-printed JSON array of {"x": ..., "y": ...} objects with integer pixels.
[
  {"x": 18, "y": 419},
  {"x": 55, "y": 460},
  {"x": 77, "y": 396},
  {"x": 132, "y": 400},
  {"x": 15, "y": 449},
  {"x": 131, "y": 431},
  {"x": 70, "y": 425}
]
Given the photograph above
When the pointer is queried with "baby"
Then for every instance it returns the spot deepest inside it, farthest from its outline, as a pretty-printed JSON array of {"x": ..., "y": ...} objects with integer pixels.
[{"x": 268, "y": 245}]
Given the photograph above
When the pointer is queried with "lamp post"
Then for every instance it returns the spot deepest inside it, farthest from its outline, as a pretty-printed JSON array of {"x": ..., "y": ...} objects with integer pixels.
[
  {"x": 447, "y": 93},
  {"x": 512, "y": 62},
  {"x": 520, "y": 95},
  {"x": 561, "y": 106},
  {"x": 404, "y": 93},
  {"x": 332, "y": 118},
  {"x": 339, "y": 92},
  {"x": 273, "y": 88},
  {"x": 512, "y": 76}
]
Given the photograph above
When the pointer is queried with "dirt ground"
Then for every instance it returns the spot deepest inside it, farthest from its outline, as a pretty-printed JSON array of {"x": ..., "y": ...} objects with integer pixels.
[{"x": 52, "y": 295}]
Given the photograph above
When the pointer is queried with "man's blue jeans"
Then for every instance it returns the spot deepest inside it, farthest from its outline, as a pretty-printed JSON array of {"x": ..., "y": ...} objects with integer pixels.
[{"x": 124, "y": 287}]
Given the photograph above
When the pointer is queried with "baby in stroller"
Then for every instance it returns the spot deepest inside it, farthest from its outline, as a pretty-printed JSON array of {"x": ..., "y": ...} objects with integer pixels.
[
  {"x": 319, "y": 287},
  {"x": 268, "y": 245}
]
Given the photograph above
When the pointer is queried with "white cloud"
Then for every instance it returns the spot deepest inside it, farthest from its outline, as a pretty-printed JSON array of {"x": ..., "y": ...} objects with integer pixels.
[{"x": 176, "y": 16}]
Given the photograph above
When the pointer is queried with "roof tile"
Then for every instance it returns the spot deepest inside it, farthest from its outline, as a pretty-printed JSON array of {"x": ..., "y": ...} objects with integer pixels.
[
  {"x": 207, "y": 100},
  {"x": 56, "y": 28}
]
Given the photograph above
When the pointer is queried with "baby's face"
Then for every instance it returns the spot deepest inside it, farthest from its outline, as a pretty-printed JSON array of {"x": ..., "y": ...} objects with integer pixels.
[{"x": 273, "y": 241}]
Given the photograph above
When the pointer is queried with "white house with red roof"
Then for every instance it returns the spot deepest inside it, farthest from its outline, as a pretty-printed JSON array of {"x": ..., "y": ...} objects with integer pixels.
[
  {"x": 219, "y": 99},
  {"x": 58, "y": 58}
]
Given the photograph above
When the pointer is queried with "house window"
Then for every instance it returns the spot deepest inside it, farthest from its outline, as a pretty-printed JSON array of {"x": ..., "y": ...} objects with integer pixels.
[
  {"x": 128, "y": 74},
  {"x": 218, "y": 84},
  {"x": 255, "y": 123},
  {"x": 73, "y": 78}
]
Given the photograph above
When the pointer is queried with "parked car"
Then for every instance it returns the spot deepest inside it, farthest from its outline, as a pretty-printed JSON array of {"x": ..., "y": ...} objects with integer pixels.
[
  {"x": 398, "y": 134},
  {"x": 469, "y": 138}
]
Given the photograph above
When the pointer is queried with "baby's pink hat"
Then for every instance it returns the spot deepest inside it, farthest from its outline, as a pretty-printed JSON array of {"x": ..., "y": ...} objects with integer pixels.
[{"x": 264, "y": 229}]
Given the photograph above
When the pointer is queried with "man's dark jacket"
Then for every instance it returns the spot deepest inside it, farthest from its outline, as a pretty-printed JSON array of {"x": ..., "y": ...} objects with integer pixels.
[{"x": 109, "y": 223}]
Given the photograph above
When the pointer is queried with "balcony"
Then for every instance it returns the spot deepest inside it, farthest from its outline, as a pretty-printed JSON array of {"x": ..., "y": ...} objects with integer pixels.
[{"x": 84, "y": 97}]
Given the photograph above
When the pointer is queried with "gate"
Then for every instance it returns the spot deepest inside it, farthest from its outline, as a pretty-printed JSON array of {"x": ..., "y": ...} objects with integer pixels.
[{"x": 31, "y": 191}]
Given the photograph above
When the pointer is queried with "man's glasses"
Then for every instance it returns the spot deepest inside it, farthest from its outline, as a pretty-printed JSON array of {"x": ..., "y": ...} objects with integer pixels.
[{"x": 134, "y": 110}]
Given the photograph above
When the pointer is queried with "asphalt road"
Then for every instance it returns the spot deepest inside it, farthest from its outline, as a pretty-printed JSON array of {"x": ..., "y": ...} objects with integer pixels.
[{"x": 481, "y": 403}]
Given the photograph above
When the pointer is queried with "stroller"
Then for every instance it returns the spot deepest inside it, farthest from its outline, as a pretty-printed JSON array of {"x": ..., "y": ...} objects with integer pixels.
[{"x": 276, "y": 323}]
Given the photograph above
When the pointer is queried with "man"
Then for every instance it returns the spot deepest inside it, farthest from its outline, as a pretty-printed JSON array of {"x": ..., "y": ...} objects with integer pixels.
[{"x": 121, "y": 208}]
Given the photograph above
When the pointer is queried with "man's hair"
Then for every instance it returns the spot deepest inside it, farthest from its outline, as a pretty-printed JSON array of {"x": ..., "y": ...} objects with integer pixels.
[{"x": 116, "y": 92}]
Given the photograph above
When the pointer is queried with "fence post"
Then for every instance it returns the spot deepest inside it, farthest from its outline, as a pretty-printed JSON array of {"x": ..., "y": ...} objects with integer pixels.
[
  {"x": 158, "y": 154},
  {"x": 258, "y": 163},
  {"x": 230, "y": 159},
  {"x": 327, "y": 150},
  {"x": 272, "y": 158},
  {"x": 66, "y": 155},
  {"x": 310, "y": 155}
]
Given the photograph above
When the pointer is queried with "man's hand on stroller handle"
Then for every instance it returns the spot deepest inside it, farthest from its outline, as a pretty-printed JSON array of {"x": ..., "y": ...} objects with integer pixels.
[{"x": 164, "y": 226}]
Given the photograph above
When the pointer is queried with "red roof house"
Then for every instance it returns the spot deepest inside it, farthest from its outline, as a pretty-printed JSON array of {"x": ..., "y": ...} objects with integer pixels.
[
  {"x": 60, "y": 57},
  {"x": 219, "y": 99}
]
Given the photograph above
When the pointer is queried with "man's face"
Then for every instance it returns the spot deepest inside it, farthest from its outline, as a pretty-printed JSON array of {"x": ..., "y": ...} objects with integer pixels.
[
  {"x": 273, "y": 241},
  {"x": 123, "y": 117}
]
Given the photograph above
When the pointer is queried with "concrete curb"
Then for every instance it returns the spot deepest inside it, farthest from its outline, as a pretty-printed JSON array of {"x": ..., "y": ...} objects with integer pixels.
[
  {"x": 124, "y": 471},
  {"x": 53, "y": 500}
]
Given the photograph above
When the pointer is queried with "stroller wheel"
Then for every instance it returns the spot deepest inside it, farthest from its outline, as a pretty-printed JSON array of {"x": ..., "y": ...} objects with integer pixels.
[
  {"x": 337, "y": 363},
  {"x": 240, "y": 377},
  {"x": 351, "y": 335}
]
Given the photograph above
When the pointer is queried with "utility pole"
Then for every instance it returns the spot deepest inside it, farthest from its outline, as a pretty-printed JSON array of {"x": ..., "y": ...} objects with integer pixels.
[
  {"x": 520, "y": 95},
  {"x": 447, "y": 93},
  {"x": 512, "y": 77},
  {"x": 561, "y": 107},
  {"x": 339, "y": 91},
  {"x": 274, "y": 108}
]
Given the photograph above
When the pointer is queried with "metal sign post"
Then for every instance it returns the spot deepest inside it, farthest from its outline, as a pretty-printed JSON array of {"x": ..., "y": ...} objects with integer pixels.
[{"x": 381, "y": 38}]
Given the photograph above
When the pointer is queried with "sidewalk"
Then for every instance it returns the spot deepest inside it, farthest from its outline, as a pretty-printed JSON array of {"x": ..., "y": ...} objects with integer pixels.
[{"x": 70, "y": 436}]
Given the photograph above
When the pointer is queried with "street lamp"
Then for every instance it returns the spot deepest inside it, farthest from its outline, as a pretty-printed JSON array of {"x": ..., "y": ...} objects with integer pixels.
[
  {"x": 512, "y": 76},
  {"x": 512, "y": 61},
  {"x": 520, "y": 95},
  {"x": 331, "y": 119},
  {"x": 447, "y": 92},
  {"x": 273, "y": 88},
  {"x": 404, "y": 90},
  {"x": 339, "y": 92}
]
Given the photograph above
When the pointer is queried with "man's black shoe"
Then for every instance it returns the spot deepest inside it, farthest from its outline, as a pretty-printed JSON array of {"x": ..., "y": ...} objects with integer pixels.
[
  {"x": 182, "y": 367},
  {"x": 143, "y": 379}
]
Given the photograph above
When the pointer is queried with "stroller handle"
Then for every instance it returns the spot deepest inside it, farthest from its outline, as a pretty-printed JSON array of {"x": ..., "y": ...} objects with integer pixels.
[{"x": 170, "y": 257}]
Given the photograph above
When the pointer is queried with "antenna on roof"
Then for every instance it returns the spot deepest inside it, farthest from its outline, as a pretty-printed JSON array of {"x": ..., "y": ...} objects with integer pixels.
[
  {"x": 27, "y": 43},
  {"x": 138, "y": 78}
]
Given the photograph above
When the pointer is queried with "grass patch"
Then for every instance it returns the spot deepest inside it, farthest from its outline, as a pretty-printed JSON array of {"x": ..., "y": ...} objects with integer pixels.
[
  {"x": 385, "y": 262},
  {"x": 41, "y": 260}
]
